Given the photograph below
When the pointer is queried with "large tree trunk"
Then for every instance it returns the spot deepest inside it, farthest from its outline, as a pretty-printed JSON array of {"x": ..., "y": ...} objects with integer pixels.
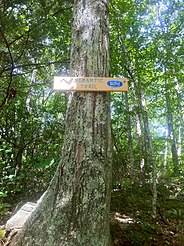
[{"x": 75, "y": 208}]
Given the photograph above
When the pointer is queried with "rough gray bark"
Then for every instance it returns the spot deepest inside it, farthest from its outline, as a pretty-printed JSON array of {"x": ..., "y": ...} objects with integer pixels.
[{"x": 75, "y": 208}]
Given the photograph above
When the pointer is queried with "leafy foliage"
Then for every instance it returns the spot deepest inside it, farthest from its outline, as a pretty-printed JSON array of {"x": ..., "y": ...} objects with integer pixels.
[{"x": 32, "y": 115}]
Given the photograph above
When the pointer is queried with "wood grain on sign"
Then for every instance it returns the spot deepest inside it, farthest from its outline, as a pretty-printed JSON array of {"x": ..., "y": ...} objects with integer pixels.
[{"x": 90, "y": 84}]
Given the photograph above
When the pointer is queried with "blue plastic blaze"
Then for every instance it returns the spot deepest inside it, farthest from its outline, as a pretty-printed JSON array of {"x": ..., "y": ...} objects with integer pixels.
[{"x": 114, "y": 83}]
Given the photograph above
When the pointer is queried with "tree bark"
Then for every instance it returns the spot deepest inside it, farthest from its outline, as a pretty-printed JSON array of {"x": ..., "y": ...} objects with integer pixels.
[
  {"x": 171, "y": 132},
  {"x": 180, "y": 118},
  {"x": 130, "y": 139},
  {"x": 75, "y": 208}
]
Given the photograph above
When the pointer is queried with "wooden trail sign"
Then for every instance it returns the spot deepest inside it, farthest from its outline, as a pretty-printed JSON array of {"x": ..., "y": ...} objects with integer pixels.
[{"x": 90, "y": 84}]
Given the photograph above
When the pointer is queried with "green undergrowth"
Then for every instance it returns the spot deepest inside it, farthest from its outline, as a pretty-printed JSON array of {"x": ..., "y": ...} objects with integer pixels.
[
  {"x": 141, "y": 229},
  {"x": 131, "y": 211}
]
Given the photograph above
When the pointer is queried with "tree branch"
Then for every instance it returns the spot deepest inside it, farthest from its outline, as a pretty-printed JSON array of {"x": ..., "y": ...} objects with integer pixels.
[{"x": 11, "y": 71}]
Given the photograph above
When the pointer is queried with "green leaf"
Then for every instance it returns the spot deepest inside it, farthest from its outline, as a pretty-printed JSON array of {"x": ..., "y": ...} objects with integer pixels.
[
  {"x": 2, "y": 233},
  {"x": 22, "y": 16},
  {"x": 2, "y": 194}
]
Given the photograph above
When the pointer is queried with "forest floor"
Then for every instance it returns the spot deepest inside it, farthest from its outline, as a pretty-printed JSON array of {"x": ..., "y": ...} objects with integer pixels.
[
  {"x": 125, "y": 232},
  {"x": 131, "y": 228}
]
